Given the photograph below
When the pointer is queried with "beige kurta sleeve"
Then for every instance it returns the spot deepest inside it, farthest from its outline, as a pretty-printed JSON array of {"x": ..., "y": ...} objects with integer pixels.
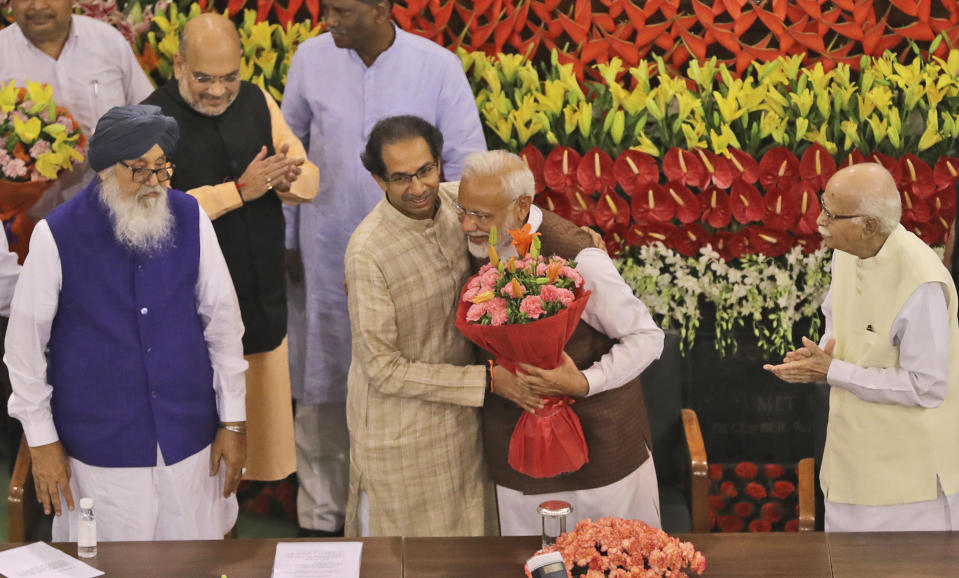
[
  {"x": 306, "y": 186},
  {"x": 373, "y": 321}
]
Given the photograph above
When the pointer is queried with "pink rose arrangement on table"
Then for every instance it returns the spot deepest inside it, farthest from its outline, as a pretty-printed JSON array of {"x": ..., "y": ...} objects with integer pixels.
[
  {"x": 623, "y": 548},
  {"x": 525, "y": 310}
]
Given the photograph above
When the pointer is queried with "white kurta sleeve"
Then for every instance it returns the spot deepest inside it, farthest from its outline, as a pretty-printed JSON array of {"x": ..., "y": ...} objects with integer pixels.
[
  {"x": 921, "y": 332},
  {"x": 9, "y": 271},
  {"x": 616, "y": 312},
  {"x": 34, "y": 306},
  {"x": 222, "y": 326}
]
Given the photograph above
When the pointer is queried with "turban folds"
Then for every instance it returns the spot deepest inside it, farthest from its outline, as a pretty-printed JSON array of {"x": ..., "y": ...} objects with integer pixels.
[{"x": 128, "y": 132}]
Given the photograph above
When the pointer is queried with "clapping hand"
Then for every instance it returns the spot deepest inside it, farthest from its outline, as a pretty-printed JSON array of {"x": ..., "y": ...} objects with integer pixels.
[{"x": 808, "y": 364}]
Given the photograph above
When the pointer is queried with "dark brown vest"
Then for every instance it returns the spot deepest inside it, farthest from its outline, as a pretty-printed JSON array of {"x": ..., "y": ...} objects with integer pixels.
[{"x": 614, "y": 422}]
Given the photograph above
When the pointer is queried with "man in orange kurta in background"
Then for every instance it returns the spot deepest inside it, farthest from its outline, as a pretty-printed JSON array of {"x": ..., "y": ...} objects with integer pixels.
[{"x": 240, "y": 160}]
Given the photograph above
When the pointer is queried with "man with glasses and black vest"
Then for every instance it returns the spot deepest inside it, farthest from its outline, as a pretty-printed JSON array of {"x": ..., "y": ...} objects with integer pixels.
[{"x": 239, "y": 159}]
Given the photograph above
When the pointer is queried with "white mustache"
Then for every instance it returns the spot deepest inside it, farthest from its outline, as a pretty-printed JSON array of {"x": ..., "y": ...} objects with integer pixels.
[{"x": 824, "y": 233}]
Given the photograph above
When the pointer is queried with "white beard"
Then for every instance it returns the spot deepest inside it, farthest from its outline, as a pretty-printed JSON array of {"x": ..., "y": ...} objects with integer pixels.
[{"x": 144, "y": 224}]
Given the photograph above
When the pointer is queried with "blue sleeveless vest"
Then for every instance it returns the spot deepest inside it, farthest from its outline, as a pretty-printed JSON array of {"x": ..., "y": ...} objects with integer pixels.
[{"x": 129, "y": 365}]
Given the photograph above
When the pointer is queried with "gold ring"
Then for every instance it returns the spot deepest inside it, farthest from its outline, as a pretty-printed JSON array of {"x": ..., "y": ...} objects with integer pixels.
[{"x": 269, "y": 184}]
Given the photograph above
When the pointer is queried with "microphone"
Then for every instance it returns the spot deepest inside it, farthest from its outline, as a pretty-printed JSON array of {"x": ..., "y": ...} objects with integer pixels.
[{"x": 549, "y": 565}]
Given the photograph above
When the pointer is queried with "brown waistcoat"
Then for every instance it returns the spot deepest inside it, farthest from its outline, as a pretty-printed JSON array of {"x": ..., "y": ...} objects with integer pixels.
[{"x": 614, "y": 422}]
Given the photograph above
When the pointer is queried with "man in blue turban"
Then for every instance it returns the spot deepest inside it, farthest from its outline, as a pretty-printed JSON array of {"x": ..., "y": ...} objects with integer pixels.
[{"x": 142, "y": 404}]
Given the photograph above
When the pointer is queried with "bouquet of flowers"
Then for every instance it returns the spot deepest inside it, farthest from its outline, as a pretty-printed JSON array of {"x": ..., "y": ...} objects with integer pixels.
[
  {"x": 525, "y": 310},
  {"x": 38, "y": 140},
  {"x": 619, "y": 548}
]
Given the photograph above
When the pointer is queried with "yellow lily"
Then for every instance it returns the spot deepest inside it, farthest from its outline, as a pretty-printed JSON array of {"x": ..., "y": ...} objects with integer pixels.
[
  {"x": 850, "y": 129},
  {"x": 728, "y": 106},
  {"x": 529, "y": 79},
  {"x": 802, "y": 125},
  {"x": 619, "y": 125},
  {"x": 50, "y": 163},
  {"x": 40, "y": 95},
  {"x": 509, "y": 65},
  {"x": 169, "y": 46},
  {"x": 723, "y": 140},
  {"x": 640, "y": 73},
  {"x": 609, "y": 71},
  {"x": 775, "y": 101},
  {"x": 819, "y": 136},
  {"x": 585, "y": 118},
  {"x": 8, "y": 97},
  {"x": 571, "y": 118},
  {"x": 645, "y": 145},
  {"x": 688, "y": 104},
  {"x": 491, "y": 76},
  {"x": 27, "y": 132},
  {"x": 931, "y": 135},
  {"x": 771, "y": 124},
  {"x": 552, "y": 98},
  {"x": 266, "y": 61},
  {"x": 879, "y": 128},
  {"x": 803, "y": 101},
  {"x": 526, "y": 119},
  {"x": 694, "y": 131}
]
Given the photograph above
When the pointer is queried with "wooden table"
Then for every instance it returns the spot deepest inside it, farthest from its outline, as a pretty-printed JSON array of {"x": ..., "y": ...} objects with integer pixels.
[{"x": 727, "y": 555}]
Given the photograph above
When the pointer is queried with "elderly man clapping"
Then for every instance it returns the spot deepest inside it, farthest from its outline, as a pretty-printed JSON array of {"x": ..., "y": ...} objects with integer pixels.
[{"x": 891, "y": 357}]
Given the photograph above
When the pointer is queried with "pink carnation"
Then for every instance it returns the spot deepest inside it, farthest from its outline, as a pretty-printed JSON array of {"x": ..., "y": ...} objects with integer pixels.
[
  {"x": 476, "y": 312},
  {"x": 15, "y": 168},
  {"x": 508, "y": 291},
  {"x": 67, "y": 122},
  {"x": 497, "y": 311},
  {"x": 4, "y": 155},
  {"x": 489, "y": 278},
  {"x": 472, "y": 291},
  {"x": 19, "y": 114},
  {"x": 532, "y": 306},
  {"x": 39, "y": 148},
  {"x": 554, "y": 293},
  {"x": 573, "y": 275},
  {"x": 541, "y": 269}
]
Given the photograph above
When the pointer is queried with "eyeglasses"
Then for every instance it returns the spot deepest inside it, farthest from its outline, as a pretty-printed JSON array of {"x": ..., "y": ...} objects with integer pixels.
[
  {"x": 201, "y": 78},
  {"x": 831, "y": 217},
  {"x": 402, "y": 181},
  {"x": 141, "y": 175},
  {"x": 480, "y": 218}
]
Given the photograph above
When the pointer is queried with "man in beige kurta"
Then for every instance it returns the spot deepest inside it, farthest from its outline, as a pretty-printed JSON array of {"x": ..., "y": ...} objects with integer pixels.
[
  {"x": 413, "y": 399},
  {"x": 227, "y": 121}
]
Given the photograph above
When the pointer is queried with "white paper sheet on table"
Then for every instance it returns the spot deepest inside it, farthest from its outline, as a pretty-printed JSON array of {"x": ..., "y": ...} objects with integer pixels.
[
  {"x": 41, "y": 560},
  {"x": 317, "y": 560}
]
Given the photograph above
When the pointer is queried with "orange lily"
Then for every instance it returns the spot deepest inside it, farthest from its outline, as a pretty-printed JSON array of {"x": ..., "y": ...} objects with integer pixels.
[{"x": 522, "y": 239}]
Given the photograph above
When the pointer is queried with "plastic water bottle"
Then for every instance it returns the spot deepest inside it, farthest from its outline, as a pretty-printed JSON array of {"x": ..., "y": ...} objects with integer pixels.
[{"x": 86, "y": 530}]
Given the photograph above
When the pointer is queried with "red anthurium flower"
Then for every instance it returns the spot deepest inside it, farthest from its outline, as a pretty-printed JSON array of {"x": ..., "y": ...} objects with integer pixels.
[
  {"x": 720, "y": 171},
  {"x": 635, "y": 170},
  {"x": 808, "y": 206},
  {"x": 715, "y": 205},
  {"x": 559, "y": 172},
  {"x": 582, "y": 208},
  {"x": 612, "y": 211},
  {"x": 917, "y": 175},
  {"x": 809, "y": 243},
  {"x": 535, "y": 161},
  {"x": 685, "y": 167},
  {"x": 739, "y": 244},
  {"x": 595, "y": 172},
  {"x": 745, "y": 165},
  {"x": 930, "y": 233},
  {"x": 615, "y": 240},
  {"x": 769, "y": 242},
  {"x": 721, "y": 242},
  {"x": 853, "y": 158},
  {"x": 646, "y": 233},
  {"x": 653, "y": 203},
  {"x": 688, "y": 208},
  {"x": 943, "y": 204},
  {"x": 746, "y": 202},
  {"x": 782, "y": 209},
  {"x": 914, "y": 209},
  {"x": 689, "y": 239},
  {"x": 891, "y": 164},
  {"x": 946, "y": 172},
  {"x": 556, "y": 202},
  {"x": 817, "y": 166},
  {"x": 779, "y": 168}
]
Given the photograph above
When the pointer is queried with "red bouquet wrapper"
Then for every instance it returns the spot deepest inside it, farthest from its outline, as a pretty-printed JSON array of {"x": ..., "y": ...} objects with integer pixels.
[{"x": 549, "y": 442}]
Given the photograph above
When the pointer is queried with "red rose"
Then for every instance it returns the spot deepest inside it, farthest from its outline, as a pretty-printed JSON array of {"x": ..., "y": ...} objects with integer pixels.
[
  {"x": 772, "y": 512},
  {"x": 755, "y": 491},
  {"x": 773, "y": 471},
  {"x": 792, "y": 526},
  {"x": 730, "y": 524},
  {"x": 760, "y": 526},
  {"x": 783, "y": 489},
  {"x": 728, "y": 489},
  {"x": 746, "y": 470},
  {"x": 716, "y": 502},
  {"x": 743, "y": 509},
  {"x": 715, "y": 472}
]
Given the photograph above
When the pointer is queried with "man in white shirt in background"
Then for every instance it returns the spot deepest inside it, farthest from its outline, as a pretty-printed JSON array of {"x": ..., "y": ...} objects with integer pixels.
[
  {"x": 615, "y": 341},
  {"x": 126, "y": 286},
  {"x": 9, "y": 272},
  {"x": 89, "y": 64},
  {"x": 891, "y": 356}
]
